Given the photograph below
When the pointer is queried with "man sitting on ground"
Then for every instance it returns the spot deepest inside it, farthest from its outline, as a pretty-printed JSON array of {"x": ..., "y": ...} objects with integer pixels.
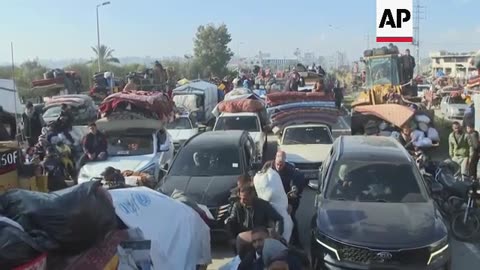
[
  {"x": 94, "y": 146},
  {"x": 253, "y": 259}
]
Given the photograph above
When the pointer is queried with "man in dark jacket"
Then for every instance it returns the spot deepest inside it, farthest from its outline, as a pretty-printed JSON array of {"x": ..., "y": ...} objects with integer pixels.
[
  {"x": 32, "y": 124},
  {"x": 475, "y": 151},
  {"x": 408, "y": 63},
  {"x": 250, "y": 212},
  {"x": 253, "y": 259},
  {"x": 66, "y": 122},
  {"x": 94, "y": 146}
]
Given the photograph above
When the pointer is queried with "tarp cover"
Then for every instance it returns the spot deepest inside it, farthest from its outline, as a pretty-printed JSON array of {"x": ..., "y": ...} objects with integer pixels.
[
  {"x": 180, "y": 238},
  {"x": 155, "y": 102},
  {"x": 243, "y": 105},
  {"x": 392, "y": 113}
]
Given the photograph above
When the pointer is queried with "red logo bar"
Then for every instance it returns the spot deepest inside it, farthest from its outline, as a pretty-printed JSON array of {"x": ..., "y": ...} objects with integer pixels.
[{"x": 394, "y": 39}]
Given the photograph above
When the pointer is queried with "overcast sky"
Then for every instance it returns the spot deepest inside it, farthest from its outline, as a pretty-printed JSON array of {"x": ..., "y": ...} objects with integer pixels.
[{"x": 52, "y": 29}]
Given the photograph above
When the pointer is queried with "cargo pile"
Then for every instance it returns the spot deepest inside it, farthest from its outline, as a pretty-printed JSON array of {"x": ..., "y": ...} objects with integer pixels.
[
  {"x": 90, "y": 227},
  {"x": 289, "y": 108},
  {"x": 389, "y": 119},
  {"x": 147, "y": 105},
  {"x": 59, "y": 79}
]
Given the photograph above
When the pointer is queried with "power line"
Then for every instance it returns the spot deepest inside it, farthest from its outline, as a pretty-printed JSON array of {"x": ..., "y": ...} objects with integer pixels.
[{"x": 418, "y": 15}]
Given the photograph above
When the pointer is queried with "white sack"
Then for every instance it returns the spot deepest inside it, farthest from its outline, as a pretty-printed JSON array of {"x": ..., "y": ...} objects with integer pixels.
[
  {"x": 424, "y": 142},
  {"x": 417, "y": 135},
  {"x": 269, "y": 187},
  {"x": 422, "y": 119},
  {"x": 180, "y": 238},
  {"x": 433, "y": 135}
]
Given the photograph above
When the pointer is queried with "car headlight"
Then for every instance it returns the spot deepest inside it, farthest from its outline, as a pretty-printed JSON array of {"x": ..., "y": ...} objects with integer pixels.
[
  {"x": 327, "y": 244},
  {"x": 438, "y": 250},
  {"x": 150, "y": 169}
]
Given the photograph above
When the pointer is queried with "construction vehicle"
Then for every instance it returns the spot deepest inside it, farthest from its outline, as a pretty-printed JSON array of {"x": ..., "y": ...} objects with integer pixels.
[
  {"x": 383, "y": 76},
  {"x": 385, "y": 82}
]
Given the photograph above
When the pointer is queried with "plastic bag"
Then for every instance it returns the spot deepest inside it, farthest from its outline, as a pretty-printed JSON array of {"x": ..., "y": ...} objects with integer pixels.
[
  {"x": 16, "y": 247},
  {"x": 76, "y": 217}
]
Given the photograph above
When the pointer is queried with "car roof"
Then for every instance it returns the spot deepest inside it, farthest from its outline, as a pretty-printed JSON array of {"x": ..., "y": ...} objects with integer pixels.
[
  {"x": 373, "y": 148},
  {"x": 218, "y": 138}
]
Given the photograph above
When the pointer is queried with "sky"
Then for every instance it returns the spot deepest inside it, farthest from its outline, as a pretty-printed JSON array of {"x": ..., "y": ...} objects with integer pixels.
[{"x": 54, "y": 30}]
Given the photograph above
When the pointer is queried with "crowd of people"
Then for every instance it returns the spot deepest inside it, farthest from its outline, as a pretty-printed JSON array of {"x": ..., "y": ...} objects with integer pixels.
[{"x": 260, "y": 229}]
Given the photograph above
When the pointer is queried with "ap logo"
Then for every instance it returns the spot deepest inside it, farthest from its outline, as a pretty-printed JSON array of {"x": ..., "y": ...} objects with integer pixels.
[{"x": 394, "y": 21}]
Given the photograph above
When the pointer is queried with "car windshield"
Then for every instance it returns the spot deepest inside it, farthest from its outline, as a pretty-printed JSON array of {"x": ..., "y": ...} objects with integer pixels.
[
  {"x": 457, "y": 100},
  {"x": 248, "y": 123},
  {"x": 129, "y": 145},
  {"x": 381, "y": 70},
  {"x": 367, "y": 181},
  {"x": 200, "y": 160},
  {"x": 307, "y": 135},
  {"x": 180, "y": 123},
  {"x": 52, "y": 112}
]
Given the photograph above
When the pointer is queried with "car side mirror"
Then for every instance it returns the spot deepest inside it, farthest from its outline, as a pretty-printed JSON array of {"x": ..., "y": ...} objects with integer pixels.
[
  {"x": 165, "y": 167},
  {"x": 202, "y": 128},
  {"x": 315, "y": 183},
  {"x": 436, "y": 188}
]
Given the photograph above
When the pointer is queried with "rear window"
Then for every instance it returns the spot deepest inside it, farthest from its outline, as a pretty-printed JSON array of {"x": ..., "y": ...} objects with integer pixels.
[
  {"x": 248, "y": 123},
  {"x": 201, "y": 160}
]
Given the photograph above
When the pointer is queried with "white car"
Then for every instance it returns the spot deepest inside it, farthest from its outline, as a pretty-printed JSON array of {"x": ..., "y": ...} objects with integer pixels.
[
  {"x": 138, "y": 149},
  {"x": 183, "y": 128},
  {"x": 248, "y": 121},
  {"x": 306, "y": 147},
  {"x": 453, "y": 107}
]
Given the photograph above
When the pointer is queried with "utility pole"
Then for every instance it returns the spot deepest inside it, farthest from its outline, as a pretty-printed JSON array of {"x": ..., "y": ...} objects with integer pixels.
[
  {"x": 418, "y": 15},
  {"x": 368, "y": 41}
]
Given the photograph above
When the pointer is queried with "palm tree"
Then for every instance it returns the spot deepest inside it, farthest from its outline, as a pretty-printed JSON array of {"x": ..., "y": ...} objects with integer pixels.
[{"x": 105, "y": 54}]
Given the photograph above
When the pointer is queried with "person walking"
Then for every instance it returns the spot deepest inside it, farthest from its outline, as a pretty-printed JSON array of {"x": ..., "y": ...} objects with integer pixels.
[
  {"x": 459, "y": 147},
  {"x": 474, "y": 140},
  {"x": 338, "y": 94},
  {"x": 32, "y": 124}
]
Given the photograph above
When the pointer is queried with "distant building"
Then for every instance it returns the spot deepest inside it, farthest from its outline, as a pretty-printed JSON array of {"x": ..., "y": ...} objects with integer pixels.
[
  {"x": 455, "y": 65},
  {"x": 279, "y": 63}
]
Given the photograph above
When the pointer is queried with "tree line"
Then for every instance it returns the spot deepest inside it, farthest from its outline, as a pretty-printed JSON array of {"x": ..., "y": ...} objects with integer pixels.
[{"x": 211, "y": 55}]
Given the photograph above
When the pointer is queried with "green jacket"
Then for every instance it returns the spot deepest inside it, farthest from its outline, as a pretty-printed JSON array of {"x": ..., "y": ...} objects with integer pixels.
[{"x": 460, "y": 148}]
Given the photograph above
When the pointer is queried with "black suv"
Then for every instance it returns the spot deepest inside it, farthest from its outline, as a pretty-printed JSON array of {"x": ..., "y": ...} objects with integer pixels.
[
  {"x": 373, "y": 210},
  {"x": 207, "y": 168}
]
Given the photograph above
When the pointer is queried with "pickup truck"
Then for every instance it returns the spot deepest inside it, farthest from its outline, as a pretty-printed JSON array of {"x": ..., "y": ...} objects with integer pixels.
[
  {"x": 306, "y": 146},
  {"x": 248, "y": 121}
]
